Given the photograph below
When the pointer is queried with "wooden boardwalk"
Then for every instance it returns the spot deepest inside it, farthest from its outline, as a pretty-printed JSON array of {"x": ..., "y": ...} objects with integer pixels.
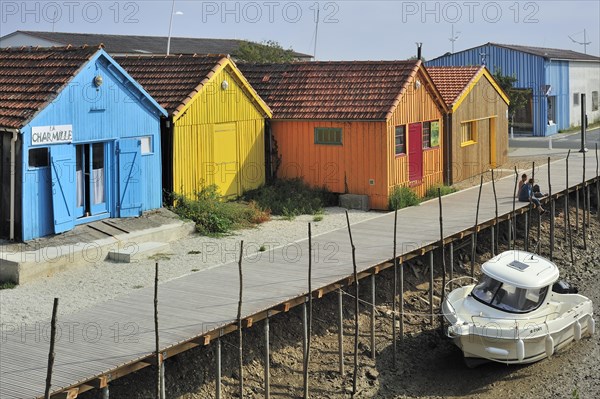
[{"x": 114, "y": 338}]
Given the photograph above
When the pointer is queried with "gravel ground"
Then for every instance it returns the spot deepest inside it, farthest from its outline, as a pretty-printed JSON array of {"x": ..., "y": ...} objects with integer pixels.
[{"x": 93, "y": 283}]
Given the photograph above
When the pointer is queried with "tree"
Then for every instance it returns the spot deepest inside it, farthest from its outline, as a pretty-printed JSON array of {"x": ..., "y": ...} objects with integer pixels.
[
  {"x": 268, "y": 51},
  {"x": 518, "y": 97}
]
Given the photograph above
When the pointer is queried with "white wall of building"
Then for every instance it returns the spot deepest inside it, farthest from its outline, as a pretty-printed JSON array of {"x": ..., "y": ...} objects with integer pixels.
[{"x": 584, "y": 77}]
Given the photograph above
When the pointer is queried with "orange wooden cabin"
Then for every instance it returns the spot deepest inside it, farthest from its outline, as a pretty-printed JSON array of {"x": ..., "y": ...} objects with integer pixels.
[{"x": 358, "y": 127}]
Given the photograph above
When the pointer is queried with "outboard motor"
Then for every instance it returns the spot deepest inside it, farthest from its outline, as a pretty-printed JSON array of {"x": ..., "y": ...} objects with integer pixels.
[{"x": 562, "y": 287}]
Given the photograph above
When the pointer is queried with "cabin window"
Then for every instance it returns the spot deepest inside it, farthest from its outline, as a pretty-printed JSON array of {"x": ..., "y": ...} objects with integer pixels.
[
  {"x": 507, "y": 297},
  {"x": 400, "y": 140},
  {"x": 38, "y": 158},
  {"x": 146, "y": 145},
  {"x": 328, "y": 135},
  {"x": 426, "y": 135},
  {"x": 435, "y": 134},
  {"x": 594, "y": 101},
  {"x": 575, "y": 98},
  {"x": 468, "y": 133}
]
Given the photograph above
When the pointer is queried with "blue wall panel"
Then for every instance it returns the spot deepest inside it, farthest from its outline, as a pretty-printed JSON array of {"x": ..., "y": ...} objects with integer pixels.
[
  {"x": 117, "y": 109},
  {"x": 530, "y": 70},
  {"x": 557, "y": 76}
]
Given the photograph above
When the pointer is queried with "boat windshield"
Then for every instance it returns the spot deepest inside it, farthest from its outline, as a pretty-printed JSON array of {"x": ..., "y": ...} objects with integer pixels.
[{"x": 507, "y": 297}]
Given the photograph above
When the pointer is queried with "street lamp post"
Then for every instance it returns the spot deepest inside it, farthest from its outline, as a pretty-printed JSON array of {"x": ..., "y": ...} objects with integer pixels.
[{"x": 170, "y": 28}]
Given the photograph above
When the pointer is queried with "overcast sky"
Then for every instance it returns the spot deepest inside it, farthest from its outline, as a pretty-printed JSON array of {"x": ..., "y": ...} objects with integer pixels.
[{"x": 347, "y": 30}]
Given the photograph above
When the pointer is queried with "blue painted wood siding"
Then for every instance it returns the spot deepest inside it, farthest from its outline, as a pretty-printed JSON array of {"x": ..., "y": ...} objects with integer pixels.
[
  {"x": 557, "y": 76},
  {"x": 533, "y": 72},
  {"x": 114, "y": 111}
]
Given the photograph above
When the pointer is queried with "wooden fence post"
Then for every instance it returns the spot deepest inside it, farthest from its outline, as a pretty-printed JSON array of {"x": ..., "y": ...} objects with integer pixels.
[
  {"x": 239, "y": 320},
  {"x": 356, "y": 307},
  {"x": 51, "y": 354}
]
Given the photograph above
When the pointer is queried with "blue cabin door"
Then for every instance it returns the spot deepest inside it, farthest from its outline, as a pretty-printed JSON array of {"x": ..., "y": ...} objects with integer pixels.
[
  {"x": 62, "y": 159},
  {"x": 130, "y": 178}
]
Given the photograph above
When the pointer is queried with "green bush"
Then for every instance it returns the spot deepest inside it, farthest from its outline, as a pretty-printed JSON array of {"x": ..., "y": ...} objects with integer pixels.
[
  {"x": 403, "y": 197},
  {"x": 7, "y": 285},
  {"x": 432, "y": 192},
  {"x": 214, "y": 216},
  {"x": 291, "y": 197}
]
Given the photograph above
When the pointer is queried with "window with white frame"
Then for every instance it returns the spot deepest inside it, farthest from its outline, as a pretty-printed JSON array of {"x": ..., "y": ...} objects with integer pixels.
[{"x": 146, "y": 145}]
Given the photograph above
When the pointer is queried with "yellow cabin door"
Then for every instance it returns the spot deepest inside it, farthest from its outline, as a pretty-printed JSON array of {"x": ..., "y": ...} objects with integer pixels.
[{"x": 225, "y": 159}]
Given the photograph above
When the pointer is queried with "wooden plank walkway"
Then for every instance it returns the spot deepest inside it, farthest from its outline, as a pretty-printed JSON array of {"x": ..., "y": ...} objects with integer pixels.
[{"x": 102, "y": 339}]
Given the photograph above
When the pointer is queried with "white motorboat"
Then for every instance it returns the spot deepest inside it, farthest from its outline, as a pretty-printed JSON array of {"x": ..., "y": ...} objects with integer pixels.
[{"x": 518, "y": 312}]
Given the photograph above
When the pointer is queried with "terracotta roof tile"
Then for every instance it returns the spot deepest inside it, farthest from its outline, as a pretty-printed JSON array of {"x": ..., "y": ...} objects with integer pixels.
[
  {"x": 363, "y": 90},
  {"x": 31, "y": 77},
  {"x": 170, "y": 80},
  {"x": 452, "y": 81}
]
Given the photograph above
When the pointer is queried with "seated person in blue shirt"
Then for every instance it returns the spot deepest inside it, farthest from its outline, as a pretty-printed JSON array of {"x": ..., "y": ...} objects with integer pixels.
[{"x": 526, "y": 195}]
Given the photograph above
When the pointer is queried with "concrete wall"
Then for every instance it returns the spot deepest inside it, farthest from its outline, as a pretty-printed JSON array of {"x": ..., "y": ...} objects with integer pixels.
[{"x": 584, "y": 77}]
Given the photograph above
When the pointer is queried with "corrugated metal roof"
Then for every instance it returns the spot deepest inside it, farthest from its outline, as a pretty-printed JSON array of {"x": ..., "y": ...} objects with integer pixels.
[
  {"x": 31, "y": 77},
  {"x": 128, "y": 44},
  {"x": 544, "y": 52},
  {"x": 551, "y": 53},
  {"x": 341, "y": 90}
]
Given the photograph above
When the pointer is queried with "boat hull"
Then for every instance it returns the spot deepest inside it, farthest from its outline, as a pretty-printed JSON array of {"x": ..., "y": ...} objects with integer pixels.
[
  {"x": 491, "y": 335},
  {"x": 506, "y": 350}
]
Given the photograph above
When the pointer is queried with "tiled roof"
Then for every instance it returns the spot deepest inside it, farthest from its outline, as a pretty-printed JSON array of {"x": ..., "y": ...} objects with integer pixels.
[
  {"x": 128, "y": 44},
  {"x": 32, "y": 77},
  {"x": 342, "y": 90},
  {"x": 452, "y": 81},
  {"x": 172, "y": 80}
]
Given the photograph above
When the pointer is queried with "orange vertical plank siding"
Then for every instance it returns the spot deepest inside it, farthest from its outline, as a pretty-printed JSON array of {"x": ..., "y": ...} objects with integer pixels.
[{"x": 354, "y": 164}]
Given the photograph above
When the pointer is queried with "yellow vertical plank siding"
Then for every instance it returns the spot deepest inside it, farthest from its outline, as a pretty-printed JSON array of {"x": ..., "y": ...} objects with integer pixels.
[
  {"x": 484, "y": 105},
  {"x": 416, "y": 105},
  {"x": 196, "y": 138},
  {"x": 340, "y": 168}
]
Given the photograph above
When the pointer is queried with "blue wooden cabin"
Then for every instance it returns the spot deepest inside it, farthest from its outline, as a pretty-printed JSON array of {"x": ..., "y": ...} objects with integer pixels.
[{"x": 80, "y": 141}]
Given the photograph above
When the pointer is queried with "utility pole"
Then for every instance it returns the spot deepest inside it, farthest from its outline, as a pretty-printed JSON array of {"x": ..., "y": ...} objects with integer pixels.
[
  {"x": 584, "y": 42},
  {"x": 583, "y": 123},
  {"x": 454, "y": 37}
]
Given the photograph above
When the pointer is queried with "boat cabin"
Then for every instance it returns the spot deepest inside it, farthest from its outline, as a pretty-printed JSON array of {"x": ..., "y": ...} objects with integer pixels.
[{"x": 515, "y": 282}]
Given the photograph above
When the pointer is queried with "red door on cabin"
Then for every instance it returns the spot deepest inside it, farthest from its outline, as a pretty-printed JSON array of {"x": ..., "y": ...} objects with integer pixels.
[{"x": 415, "y": 152}]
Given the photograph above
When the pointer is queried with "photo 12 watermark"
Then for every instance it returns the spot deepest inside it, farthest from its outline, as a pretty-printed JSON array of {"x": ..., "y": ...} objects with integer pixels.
[
  {"x": 453, "y": 12},
  {"x": 54, "y": 12},
  {"x": 269, "y": 11}
]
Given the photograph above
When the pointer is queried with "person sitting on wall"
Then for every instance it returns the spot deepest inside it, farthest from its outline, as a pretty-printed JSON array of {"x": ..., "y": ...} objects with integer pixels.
[
  {"x": 526, "y": 195},
  {"x": 522, "y": 182}
]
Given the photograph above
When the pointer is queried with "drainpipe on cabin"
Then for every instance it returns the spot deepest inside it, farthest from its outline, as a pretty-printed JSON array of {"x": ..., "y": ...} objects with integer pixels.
[
  {"x": 447, "y": 141},
  {"x": 269, "y": 152},
  {"x": 13, "y": 174}
]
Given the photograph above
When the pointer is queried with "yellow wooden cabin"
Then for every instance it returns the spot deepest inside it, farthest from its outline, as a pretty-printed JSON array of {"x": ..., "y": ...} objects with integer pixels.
[
  {"x": 215, "y": 133},
  {"x": 477, "y": 121}
]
